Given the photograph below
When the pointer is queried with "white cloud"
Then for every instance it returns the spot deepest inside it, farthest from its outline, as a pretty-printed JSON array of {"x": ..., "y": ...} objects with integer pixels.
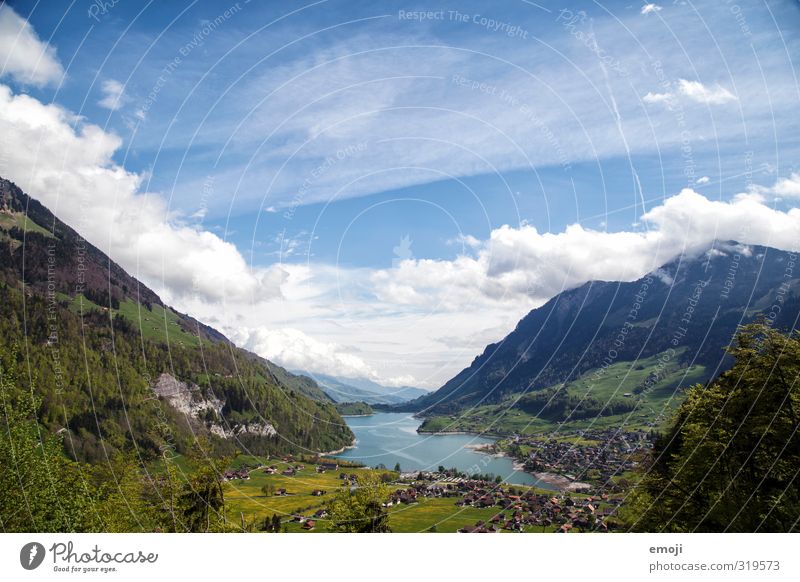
[
  {"x": 72, "y": 172},
  {"x": 787, "y": 187},
  {"x": 703, "y": 180},
  {"x": 517, "y": 266},
  {"x": 425, "y": 319},
  {"x": 657, "y": 97},
  {"x": 296, "y": 350},
  {"x": 113, "y": 95},
  {"x": 23, "y": 56},
  {"x": 698, "y": 92},
  {"x": 651, "y": 8},
  {"x": 693, "y": 91},
  {"x": 466, "y": 241}
]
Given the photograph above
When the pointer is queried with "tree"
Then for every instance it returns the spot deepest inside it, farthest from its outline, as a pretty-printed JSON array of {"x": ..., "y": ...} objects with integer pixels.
[
  {"x": 359, "y": 509},
  {"x": 42, "y": 490},
  {"x": 268, "y": 489},
  {"x": 731, "y": 458},
  {"x": 397, "y": 467},
  {"x": 202, "y": 498}
]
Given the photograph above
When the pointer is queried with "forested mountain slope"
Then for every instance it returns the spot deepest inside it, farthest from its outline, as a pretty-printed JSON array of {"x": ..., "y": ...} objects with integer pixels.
[
  {"x": 684, "y": 314},
  {"x": 117, "y": 369}
]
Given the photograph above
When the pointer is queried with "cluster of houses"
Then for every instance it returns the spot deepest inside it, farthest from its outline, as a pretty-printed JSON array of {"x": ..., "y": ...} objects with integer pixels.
[
  {"x": 290, "y": 471},
  {"x": 348, "y": 478},
  {"x": 306, "y": 522},
  {"x": 612, "y": 453},
  {"x": 233, "y": 475},
  {"x": 309, "y": 523},
  {"x": 517, "y": 509}
]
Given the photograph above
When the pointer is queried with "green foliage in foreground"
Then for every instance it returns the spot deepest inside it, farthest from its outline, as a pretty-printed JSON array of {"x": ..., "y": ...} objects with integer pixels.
[
  {"x": 731, "y": 459},
  {"x": 41, "y": 490},
  {"x": 359, "y": 510}
]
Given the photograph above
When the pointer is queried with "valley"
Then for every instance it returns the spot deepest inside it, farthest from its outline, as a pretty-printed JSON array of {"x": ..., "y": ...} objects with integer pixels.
[
  {"x": 554, "y": 428},
  {"x": 428, "y": 502}
]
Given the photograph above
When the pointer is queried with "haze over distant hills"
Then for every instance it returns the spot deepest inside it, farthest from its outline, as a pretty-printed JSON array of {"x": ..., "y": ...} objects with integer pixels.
[{"x": 363, "y": 389}]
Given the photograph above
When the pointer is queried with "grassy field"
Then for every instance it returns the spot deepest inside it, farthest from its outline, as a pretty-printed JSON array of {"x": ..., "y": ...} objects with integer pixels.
[
  {"x": 246, "y": 503},
  {"x": 157, "y": 324},
  {"x": 436, "y": 514},
  {"x": 654, "y": 406},
  {"x": 21, "y": 221},
  {"x": 245, "y": 500}
]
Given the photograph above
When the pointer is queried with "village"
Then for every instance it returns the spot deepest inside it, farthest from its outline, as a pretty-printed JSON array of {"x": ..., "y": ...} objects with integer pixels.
[
  {"x": 599, "y": 457},
  {"x": 299, "y": 492},
  {"x": 518, "y": 508}
]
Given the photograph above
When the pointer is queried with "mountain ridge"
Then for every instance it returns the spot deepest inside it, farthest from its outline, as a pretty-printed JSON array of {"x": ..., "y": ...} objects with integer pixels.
[
  {"x": 341, "y": 389},
  {"x": 100, "y": 343},
  {"x": 694, "y": 302}
]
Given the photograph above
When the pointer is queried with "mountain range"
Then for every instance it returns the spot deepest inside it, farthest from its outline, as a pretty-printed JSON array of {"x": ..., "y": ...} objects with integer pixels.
[
  {"x": 118, "y": 369},
  {"x": 617, "y": 348},
  {"x": 363, "y": 390}
]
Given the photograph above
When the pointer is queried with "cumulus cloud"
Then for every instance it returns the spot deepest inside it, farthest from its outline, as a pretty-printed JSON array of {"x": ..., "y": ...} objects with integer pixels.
[
  {"x": 693, "y": 91},
  {"x": 698, "y": 92},
  {"x": 407, "y": 317},
  {"x": 72, "y": 172},
  {"x": 703, "y": 180},
  {"x": 519, "y": 265},
  {"x": 650, "y": 8},
  {"x": 657, "y": 97},
  {"x": 23, "y": 56},
  {"x": 113, "y": 95},
  {"x": 297, "y": 350},
  {"x": 787, "y": 187}
]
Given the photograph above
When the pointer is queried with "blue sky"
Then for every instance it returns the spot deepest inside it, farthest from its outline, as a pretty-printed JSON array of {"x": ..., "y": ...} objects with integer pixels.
[{"x": 316, "y": 137}]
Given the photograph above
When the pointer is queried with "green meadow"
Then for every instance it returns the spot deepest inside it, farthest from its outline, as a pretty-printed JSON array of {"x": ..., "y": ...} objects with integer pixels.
[
  {"x": 21, "y": 221},
  {"x": 157, "y": 323},
  {"x": 246, "y": 503},
  {"x": 654, "y": 406}
]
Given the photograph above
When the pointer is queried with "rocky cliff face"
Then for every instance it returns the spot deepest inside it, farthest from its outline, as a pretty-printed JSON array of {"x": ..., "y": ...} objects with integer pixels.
[{"x": 205, "y": 410}]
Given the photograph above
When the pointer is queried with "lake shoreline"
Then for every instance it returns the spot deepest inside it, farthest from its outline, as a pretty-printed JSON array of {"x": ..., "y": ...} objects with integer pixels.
[
  {"x": 560, "y": 481},
  {"x": 340, "y": 451},
  {"x": 486, "y": 435},
  {"x": 451, "y": 432},
  {"x": 556, "y": 480},
  {"x": 388, "y": 438}
]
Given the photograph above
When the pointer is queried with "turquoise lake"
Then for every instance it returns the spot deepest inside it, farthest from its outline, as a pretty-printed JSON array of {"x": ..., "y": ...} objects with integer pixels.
[{"x": 389, "y": 438}]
